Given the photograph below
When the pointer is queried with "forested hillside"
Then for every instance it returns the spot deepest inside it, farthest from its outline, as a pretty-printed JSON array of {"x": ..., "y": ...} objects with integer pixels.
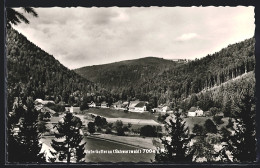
[
  {"x": 35, "y": 73},
  {"x": 125, "y": 74},
  {"x": 166, "y": 80}
]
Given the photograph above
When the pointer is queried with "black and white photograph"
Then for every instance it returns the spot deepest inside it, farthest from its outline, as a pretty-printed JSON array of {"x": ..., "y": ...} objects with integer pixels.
[{"x": 130, "y": 84}]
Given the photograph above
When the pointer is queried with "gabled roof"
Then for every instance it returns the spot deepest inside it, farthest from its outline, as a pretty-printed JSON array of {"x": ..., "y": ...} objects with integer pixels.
[
  {"x": 192, "y": 109},
  {"x": 140, "y": 104},
  {"x": 126, "y": 103},
  {"x": 133, "y": 103}
]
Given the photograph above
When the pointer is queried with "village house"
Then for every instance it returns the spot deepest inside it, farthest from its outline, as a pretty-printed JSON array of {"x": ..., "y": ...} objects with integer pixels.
[
  {"x": 162, "y": 109},
  {"x": 104, "y": 105},
  {"x": 120, "y": 105},
  {"x": 220, "y": 114},
  {"x": 74, "y": 109},
  {"x": 137, "y": 106},
  {"x": 43, "y": 102},
  {"x": 195, "y": 112},
  {"x": 92, "y": 104}
]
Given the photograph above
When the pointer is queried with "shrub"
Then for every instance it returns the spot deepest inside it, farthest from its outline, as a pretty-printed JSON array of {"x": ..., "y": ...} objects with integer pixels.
[
  {"x": 119, "y": 128},
  {"x": 210, "y": 127},
  {"x": 148, "y": 131},
  {"x": 108, "y": 130},
  {"x": 91, "y": 127},
  {"x": 198, "y": 129},
  {"x": 218, "y": 120}
]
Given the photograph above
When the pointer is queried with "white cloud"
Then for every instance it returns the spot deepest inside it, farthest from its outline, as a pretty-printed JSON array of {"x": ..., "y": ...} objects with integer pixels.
[
  {"x": 187, "y": 36},
  {"x": 86, "y": 36}
]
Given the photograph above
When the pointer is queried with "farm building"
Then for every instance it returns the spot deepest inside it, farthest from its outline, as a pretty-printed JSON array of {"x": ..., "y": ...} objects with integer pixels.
[
  {"x": 220, "y": 114},
  {"x": 72, "y": 109},
  {"x": 104, "y": 105},
  {"x": 120, "y": 105},
  {"x": 162, "y": 109},
  {"x": 137, "y": 106},
  {"x": 43, "y": 102},
  {"x": 92, "y": 104},
  {"x": 195, "y": 112}
]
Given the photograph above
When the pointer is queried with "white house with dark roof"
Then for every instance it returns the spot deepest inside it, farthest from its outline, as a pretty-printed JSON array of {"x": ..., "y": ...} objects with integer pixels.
[
  {"x": 43, "y": 102},
  {"x": 195, "y": 112},
  {"x": 137, "y": 106},
  {"x": 120, "y": 105}
]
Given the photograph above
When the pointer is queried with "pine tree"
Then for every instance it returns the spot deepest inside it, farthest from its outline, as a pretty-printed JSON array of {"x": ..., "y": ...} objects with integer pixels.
[
  {"x": 26, "y": 147},
  {"x": 242, "y": 144},
  {"x": 69, "y": 129},
  {"x": 177, "y": 148},
  {"x": 15, "y": 17}
]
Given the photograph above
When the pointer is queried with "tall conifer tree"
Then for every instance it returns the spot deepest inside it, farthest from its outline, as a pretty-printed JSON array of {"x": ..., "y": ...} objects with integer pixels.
[
  {"x": 242, "y": 144},
  {"x": 176, "y": 148},
  {"x": 68, "y": 142},
  {"x": 27, "y": 139}
]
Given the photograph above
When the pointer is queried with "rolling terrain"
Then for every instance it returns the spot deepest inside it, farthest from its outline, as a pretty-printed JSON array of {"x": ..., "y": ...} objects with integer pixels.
[{"x": 165, "y": 80}]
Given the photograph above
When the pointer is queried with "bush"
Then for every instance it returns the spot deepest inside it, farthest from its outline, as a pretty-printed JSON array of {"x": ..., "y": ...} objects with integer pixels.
[
  {"x": 119, "y": 128},
  {"x": 214, "y": 110},
  {"x": 148, "y": 131},
  {"x": 210, "y": 127},
  {"x": 91, "y": 127},
  {"x": 218, "y": 120},
  {"x": 198, "y": 129},
  {"x": 84, "y": 106},
  {"x": 108, "y": 130},
  {"x": 120, "y": 131},
  {"x": 100, "y": 121}
]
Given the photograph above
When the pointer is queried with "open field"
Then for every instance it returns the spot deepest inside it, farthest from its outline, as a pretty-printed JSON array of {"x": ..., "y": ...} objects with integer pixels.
[
  {"x": 191, "y": 121},
  {"x": 136, "y": 141},
  {"x": 102, "y": 144},
  {"x": 111, "y": 113}
]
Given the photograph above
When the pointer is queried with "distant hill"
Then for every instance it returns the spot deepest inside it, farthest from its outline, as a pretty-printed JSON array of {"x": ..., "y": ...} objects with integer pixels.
[
  {"x": 35, "y": 73},
  {"x": 125, "y": 74}
]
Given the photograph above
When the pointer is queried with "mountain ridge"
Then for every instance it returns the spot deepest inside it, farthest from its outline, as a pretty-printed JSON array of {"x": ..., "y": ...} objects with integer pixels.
[{"x": 173, "y": 80}]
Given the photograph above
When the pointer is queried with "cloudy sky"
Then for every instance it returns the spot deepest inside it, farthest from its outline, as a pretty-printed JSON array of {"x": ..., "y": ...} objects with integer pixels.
[{"x": 80, "y": 37}]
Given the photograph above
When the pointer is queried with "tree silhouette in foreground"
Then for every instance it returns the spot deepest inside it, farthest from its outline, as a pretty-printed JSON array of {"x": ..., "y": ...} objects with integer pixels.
[
  {"x": 24, "y": 147},
  {"x": 242, "y": 144},
  {"x": 176, "y": 143},
  {"x": 68, "y": 143},
  {"x": 15, "y": 17}
]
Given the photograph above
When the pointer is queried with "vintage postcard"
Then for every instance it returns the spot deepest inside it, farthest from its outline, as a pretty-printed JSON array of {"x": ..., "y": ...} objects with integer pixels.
[{"x": 131, "y": 84}]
